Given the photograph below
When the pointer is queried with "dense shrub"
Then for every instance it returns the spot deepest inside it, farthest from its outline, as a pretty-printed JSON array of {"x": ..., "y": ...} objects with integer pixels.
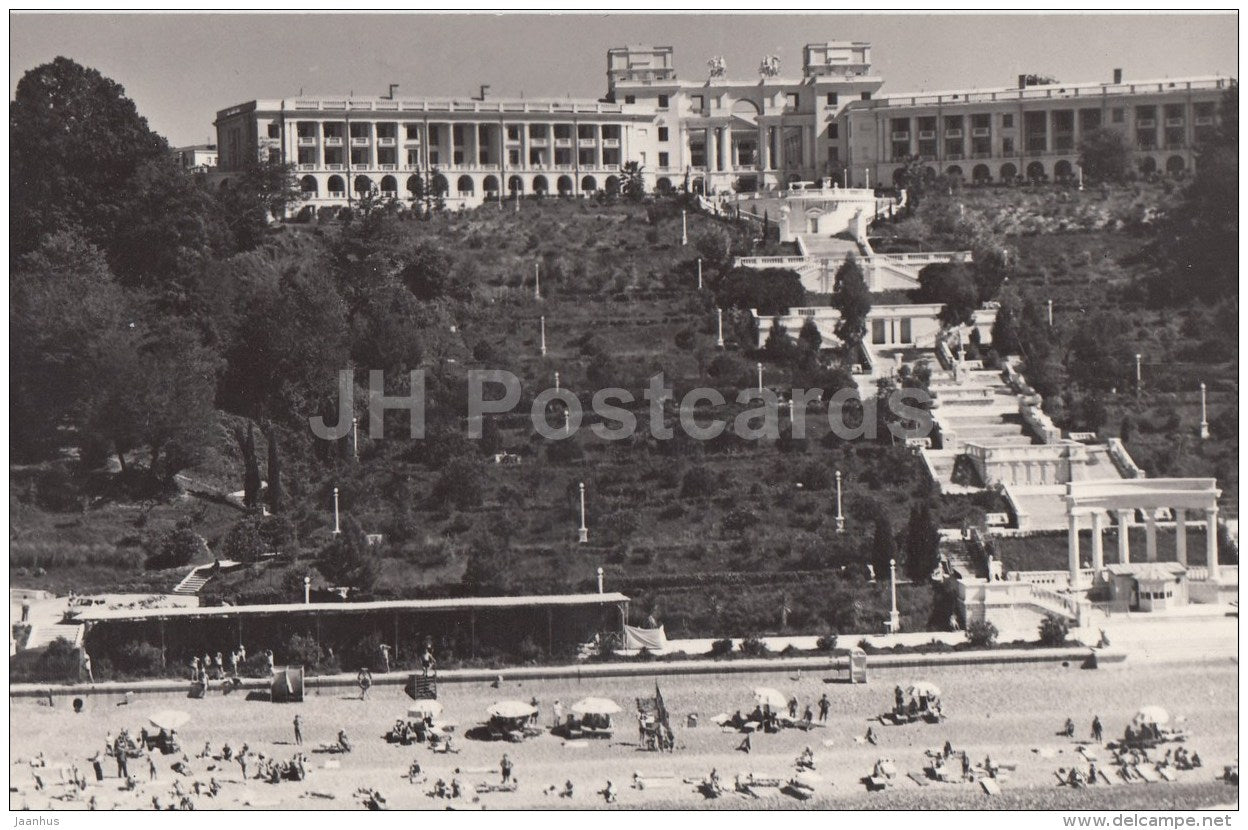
[
  {"x": 176, "y": 549},
  {"x": 981, "y": 634},
  {"x": 721, "y": 648},
  {"x": 753, "y": 646},
  {"x": 1054, "y": 630}
]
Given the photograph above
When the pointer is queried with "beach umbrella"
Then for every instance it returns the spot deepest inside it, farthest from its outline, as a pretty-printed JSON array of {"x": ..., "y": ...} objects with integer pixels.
[
  {"x": 765, "y": 696},
  {"x": 511, "y": 709},
  {"x": 169, "y": 719},
  {"x": 923, "y": 688},
  {"x": 422, "y": 709},
  {"x": 1150, "y": 715},
  {"x": 596, "y": 706}
]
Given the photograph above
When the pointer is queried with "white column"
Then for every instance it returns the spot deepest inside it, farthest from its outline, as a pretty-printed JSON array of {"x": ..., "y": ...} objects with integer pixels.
[
  {"x": 1211, "y": 543},
  {"x": 1072, "y": 544},
  {"x": 1204, "y": 414},
  {"x": 1180, "y": 535},
  {"x": 1124, "y": 537},
  {"x": 1098, "y": 548},
  {"x": 730, "y": 162},
  {"x": 764, "y": 149},
  {"x": 712, "y": 150},
  {"x": 1150, "y": 535}
]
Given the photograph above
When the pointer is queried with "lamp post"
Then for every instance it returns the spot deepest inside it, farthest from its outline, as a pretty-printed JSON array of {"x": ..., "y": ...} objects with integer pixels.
[
  {"x": 699, "y": 273},
  {"x": 1079, "y": 173},
  {"x": 307, "y": 590},
  {"x": 684, "y": 228},
  {"x": 719, "y": 316},
  {"x": 600, "y": 579},
  {"x": 760, "y": 377},
  {"x": 1050, "y": 305},
  {"x": 868, "y": 172},
  {"x": 543, "y": 335},
  {"x": 537, "y": 280},
  {"x": 840, "y": 517},
  {"x": 355, "y": 437},
  {"x": 556, "y": 381},
  {"x": 583, "y": 531},
  {"x": 337, "y": 527},
  {"x": 1204, "y": 415},
  {"x": 894, "y": 619},
  {"x": 1137, "y": 374}
]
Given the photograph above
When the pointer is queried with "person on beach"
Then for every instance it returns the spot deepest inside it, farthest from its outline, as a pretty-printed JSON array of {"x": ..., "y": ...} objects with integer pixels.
[
  {"x": 825, "y": 706},
  {"x": 505, "y": 767},
  {"x": 298, "y": 730},
  {"x": 365, "y": 678}
]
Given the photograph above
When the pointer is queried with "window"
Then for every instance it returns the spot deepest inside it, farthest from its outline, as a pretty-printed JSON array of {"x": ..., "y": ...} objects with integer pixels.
[
  {"x": 275, "y": 156},
  {"x": 834, "y": 155},
  {"x": 1007, "y": 121},
  {"x": 663, "y": 160},
  {"x": 630, "y": 99},
  {"x": 905, "y": 330},
  {"x": 831, "y": 99},
  {"x": 790, "y": 100},
  {"x": 662, "y": 133},
  {"x": 953, "y": 122},
  {"x": 513, "y": 158},
  {"x": 413, "y": 158},
  {"x": 413, "y": 132},
  {"x": 981, "y": 121},
  {"x": 513, "y": 132},
  {"x": 866, "y": 96},
  {"x": 275, "y": 131},
  {"x": 1116, "y": 115},
  {"x": 662, "y": 102},
  {"x": 697, "y": 103},
  {"x": 833, "y": 130},
  {"x": 1007, "y": 146},
  {"x": 877, "y": 332}
]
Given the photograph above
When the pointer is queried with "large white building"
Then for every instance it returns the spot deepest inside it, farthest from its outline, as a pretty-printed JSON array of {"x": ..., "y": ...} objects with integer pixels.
[{"x": 707, "y": 131}]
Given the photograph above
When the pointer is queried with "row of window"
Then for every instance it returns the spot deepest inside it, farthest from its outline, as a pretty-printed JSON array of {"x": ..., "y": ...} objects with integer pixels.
[
  {"x": 1063, "y": 120},
  {"x": 363, "y": 129},
  {"x": 363, "y": 157},
  {"x": 698, "y": 102}
]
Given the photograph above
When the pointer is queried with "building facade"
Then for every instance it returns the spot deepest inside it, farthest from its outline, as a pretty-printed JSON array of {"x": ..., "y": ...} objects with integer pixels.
[
  {"x": 199, "y": 158},
  {"x": 710, "y": 134}
]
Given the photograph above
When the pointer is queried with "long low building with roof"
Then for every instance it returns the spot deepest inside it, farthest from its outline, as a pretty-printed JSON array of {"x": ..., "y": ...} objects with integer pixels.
[{"x": 461, "y": 628}]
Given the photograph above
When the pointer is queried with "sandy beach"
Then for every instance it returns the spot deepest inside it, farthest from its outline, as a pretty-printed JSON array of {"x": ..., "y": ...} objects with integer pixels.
[{"x": 1012, "y": 713}]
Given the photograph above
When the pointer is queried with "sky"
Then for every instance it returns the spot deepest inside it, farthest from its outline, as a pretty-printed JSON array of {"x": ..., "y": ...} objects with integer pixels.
[{"x": 180, "y": 69}]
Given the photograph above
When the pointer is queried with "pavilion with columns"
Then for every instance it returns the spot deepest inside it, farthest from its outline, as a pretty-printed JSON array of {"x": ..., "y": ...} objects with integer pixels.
[{"x": 1123, "y": 497}]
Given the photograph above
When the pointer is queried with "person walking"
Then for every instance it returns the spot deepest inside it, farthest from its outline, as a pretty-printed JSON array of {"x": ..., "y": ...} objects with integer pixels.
[
  {"x": 824, "y": 706},
  {"x": 793, "y": 708},
  {"x": 558, "y": 713},
  {"x": 1098, "y": 731},
  {"x": 151, "y": 767},
  {"x": 385, "y": 657},
  {"x": 365, "y": 678},
  {"x": 220, "y": 666},
  {"x": 86, "y": 666},
  {"x": 298, "y": 730},
  {"x": 505, "y": 767}
]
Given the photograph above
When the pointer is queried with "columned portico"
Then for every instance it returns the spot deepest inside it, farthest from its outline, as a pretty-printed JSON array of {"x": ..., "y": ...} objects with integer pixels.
[
  {"x": 1180, "y": 535},
  {"x": 1211, "y": 542},
  {"x": 1124, "y": 536},
  {"x": 1098, "y": 549},
  {"x": 1148, "y": 495}
]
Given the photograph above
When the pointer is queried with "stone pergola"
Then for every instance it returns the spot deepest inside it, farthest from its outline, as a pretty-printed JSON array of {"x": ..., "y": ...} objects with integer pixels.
[{"x": 1124, "y": 497}]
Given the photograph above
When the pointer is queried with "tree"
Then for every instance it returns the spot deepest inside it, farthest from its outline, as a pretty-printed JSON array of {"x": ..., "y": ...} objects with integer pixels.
[
  {"x": 1005, "y": 333},
  {"x": 952, "y": 285},
  {"x": 633, "y": 183},
  {"x": 177, "y": 549},
  {"x": 259, "y": 191},
  {"x": 154, "y": 390},
  {"x": 768, "y": 291},
  {"x": 981, "y": 634},
  {"x": 348, "y": 560},
  {"x": 852, "y": 298},
  {"x": 714, "y": 245},
  {"x": 243, "y": 542},
  {"x": 809, "y": 338},
  {"x": 922, "y": 544},
  {"x": 1198, "y": 242},
  {"x": 1105, "y": 155},
  {"x": 426, "y": 271},
  {"x": 461, "y": 485},
  {"x": 883, "y": 547},
  {"x": 63, "y": 304},
  {"x": 76, "y": 141},
  {"x": 1053, "y": 630}
]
